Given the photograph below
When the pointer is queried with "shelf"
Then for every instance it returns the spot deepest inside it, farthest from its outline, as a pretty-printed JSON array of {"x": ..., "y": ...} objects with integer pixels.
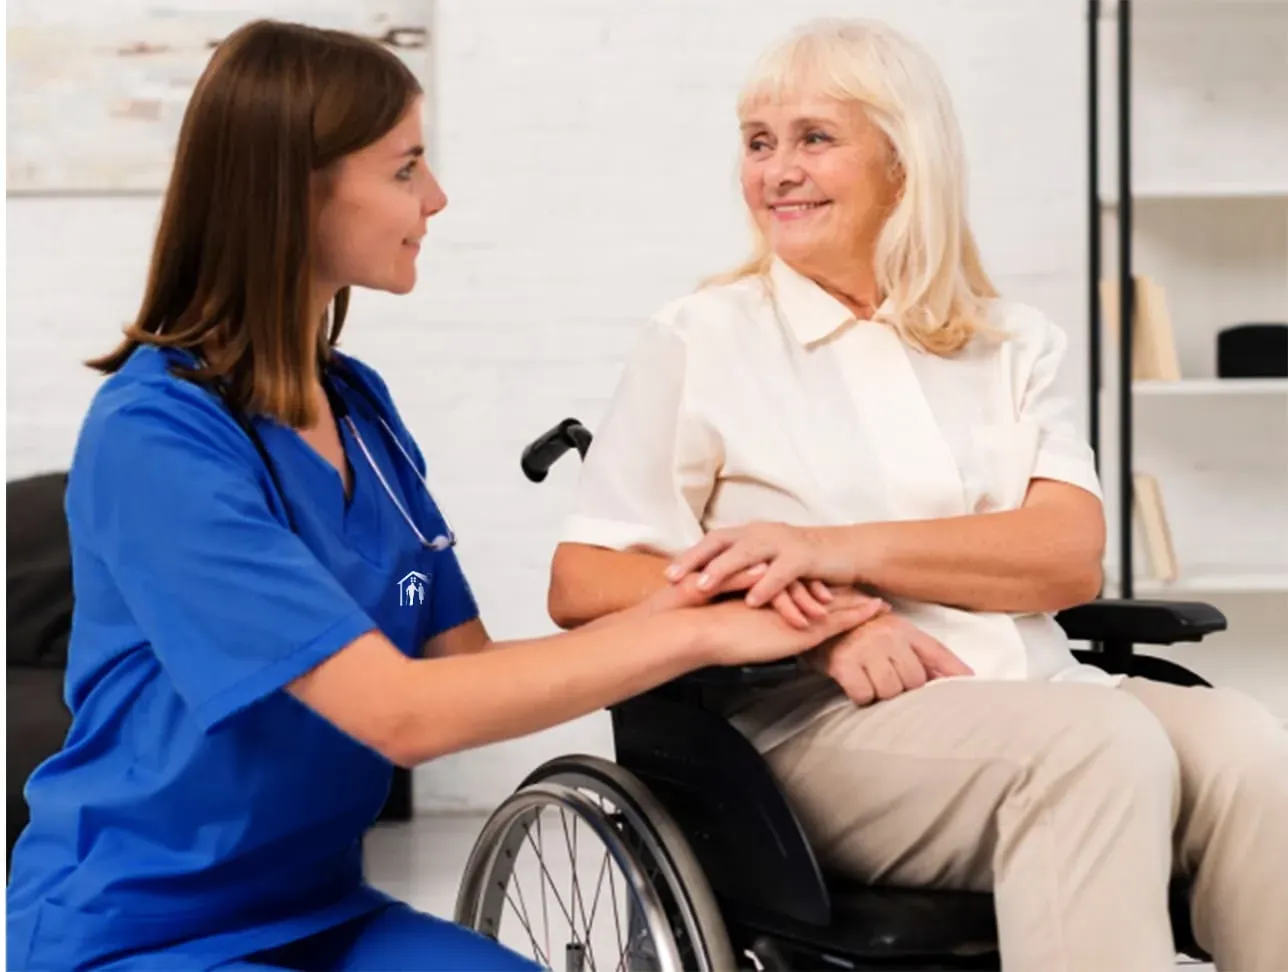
[
  {"x": 1211, "y": 192},
  {"x": 1215, "y": 387},
  {"x": 1217, "y": 581},
  {"x": 1211, "y": 580},
  {"x": 1169, "y": 8}
]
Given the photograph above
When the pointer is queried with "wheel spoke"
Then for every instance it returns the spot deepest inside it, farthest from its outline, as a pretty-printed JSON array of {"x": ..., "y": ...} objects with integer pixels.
[
  {"x": 578, "y": 901},
  {"x": 523, "y": 919},
  {"x": 545, "y": 915},
  {"x": 599, "y": 887},
  {"x": 547, "y": 878}
]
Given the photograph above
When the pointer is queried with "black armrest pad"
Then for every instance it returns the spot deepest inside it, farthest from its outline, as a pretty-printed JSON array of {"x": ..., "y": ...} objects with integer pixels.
[
  {"x": 1141, "y": 622},
  {"x": 743, "y": 674}
]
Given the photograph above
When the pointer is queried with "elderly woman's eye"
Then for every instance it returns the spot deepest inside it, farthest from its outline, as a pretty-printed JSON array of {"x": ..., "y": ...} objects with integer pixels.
[
  {"x": 757, "y": 144},
  {"x": 817, "y": 138}
]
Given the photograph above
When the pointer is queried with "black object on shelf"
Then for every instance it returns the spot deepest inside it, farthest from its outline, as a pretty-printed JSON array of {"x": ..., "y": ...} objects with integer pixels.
[{"x": 1252, "y": 350}]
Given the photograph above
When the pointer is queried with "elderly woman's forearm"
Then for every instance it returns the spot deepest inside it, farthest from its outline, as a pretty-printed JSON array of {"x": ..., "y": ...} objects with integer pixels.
[
  {"x": 589, "y": 582},
  {"x": 1032, "y": 559}
]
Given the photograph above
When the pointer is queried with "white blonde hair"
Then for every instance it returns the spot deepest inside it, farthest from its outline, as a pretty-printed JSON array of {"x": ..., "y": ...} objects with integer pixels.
[{"x": 927, "y": 261}]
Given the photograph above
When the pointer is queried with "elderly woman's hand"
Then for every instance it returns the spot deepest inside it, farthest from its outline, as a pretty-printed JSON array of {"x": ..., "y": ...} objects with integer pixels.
[
  {"x": 885, "y": 658},
  {"x": 800, "y": 604},
  {"x": 791, "y": 554}
]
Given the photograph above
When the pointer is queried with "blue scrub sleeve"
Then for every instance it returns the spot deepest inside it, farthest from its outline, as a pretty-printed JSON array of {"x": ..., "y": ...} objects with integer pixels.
[{"x": 168, "y": 493}]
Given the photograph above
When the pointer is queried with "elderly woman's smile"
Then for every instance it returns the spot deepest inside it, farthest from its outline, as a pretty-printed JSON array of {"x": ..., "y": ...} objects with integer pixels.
[{"x": 795, "y": 210}]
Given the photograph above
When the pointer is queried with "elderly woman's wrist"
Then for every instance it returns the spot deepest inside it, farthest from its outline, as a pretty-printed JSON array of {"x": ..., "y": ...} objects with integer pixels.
[{"x": 847, "y": 555}]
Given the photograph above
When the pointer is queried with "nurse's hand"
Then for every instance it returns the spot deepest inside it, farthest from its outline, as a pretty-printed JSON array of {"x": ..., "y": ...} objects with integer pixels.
[
  {"x": 885, "y": 658},
  {"x": 800, "y": 604},
  {"x": 799, "y": 562},
  {"x": 735, "y": 634}
]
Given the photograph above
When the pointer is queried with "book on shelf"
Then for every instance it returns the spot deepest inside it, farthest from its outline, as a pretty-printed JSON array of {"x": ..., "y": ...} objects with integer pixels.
[
  {"x": 1153, "y": 344},
  {"x": 1147, "y": 503}
]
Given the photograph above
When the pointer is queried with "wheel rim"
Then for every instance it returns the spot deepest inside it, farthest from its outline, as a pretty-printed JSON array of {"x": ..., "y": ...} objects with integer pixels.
[
  {"x": 703, "y": 941},
  {"x": 490, "y": 891}
]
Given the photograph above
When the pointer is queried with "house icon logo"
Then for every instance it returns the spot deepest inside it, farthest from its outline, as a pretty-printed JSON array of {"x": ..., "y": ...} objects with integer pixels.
[{"x": 411, "y": 589}]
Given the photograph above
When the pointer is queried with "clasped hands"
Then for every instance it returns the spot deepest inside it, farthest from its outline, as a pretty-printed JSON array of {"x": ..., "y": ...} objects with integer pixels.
[{"x": 797, "y": 571}]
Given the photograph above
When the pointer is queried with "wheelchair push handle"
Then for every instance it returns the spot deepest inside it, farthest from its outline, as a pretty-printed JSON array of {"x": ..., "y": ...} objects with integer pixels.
[{"x": 544, "y": 451}]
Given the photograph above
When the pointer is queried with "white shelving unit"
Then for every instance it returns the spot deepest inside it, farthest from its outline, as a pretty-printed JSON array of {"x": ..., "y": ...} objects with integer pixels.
[
  {"x": 1216, "y": 580},
  {"x": 1210, "y": 224},
  {"x": 1154, "y": 194},
  {"x": 1218, "y": 387}
]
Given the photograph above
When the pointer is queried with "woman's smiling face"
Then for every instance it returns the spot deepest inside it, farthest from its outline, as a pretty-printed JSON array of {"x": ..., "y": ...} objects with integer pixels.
[{"x": 818, "y": 178}]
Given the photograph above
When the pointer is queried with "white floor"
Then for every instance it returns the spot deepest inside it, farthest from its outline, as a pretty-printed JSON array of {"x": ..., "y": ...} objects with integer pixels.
[{"x": 422, "y": 861}]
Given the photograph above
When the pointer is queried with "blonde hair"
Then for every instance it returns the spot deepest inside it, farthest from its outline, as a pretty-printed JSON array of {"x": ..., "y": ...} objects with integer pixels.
[{"x": 927, "y": 261}]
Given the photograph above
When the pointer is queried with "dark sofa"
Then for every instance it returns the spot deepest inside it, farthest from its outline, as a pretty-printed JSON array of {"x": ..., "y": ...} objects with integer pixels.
[{"x": 39, "y": 591}]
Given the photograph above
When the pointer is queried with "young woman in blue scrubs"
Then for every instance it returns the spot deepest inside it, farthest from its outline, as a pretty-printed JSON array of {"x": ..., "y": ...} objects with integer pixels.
[{"x": 269, "y": 611}]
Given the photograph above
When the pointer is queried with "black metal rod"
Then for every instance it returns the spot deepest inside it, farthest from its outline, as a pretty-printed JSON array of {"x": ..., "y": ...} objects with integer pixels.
[
  {"x": 1094, "y": 225},
  {"x": 1126, "y": 294}
]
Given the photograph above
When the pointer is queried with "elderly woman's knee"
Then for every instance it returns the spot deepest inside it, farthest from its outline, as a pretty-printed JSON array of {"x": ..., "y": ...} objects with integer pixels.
[
  {"x": 1121, "y": 746},
  {"x": 1234, "y": 747}
]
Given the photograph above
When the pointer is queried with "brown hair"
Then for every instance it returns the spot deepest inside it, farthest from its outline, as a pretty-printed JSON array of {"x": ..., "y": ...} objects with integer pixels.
[{"x": 230, "y": 270}]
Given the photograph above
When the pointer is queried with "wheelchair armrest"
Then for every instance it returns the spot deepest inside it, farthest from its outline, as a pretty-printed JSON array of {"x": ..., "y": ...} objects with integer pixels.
[
  {"x": 1141, "y": 622},
  {"x": 742, "y": 674},
  {"x": 1134, "y": 621}
]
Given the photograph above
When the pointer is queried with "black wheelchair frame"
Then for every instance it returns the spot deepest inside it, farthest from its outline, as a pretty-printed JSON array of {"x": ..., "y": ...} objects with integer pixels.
[{"x": 777, "y": 903}]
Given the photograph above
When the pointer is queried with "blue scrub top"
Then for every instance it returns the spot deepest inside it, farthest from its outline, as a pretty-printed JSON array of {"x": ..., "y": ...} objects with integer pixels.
[{"x": 197, "y": 812}]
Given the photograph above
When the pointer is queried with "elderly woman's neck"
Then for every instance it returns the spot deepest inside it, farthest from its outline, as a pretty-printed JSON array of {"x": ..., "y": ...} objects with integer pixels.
[{"x": 852, "y": 282}]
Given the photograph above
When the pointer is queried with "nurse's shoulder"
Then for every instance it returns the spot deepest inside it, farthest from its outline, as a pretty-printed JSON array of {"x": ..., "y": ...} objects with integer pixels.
[
  {"x": 148, "y": 391},
  {"x": 145, "y": 417}
]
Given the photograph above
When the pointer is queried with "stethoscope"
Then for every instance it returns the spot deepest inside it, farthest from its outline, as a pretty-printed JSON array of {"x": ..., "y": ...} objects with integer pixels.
[{"x": 442, "y": 541}]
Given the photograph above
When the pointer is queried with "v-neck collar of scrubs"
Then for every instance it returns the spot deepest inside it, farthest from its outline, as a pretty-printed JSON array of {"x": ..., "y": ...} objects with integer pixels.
[{"x": 359, "y": 519}]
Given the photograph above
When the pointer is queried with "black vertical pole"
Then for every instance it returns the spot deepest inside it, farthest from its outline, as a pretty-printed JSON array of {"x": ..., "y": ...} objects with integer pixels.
[
  {"x": 1095, "y": 268},
  {"x": 1126, "y": 294}
]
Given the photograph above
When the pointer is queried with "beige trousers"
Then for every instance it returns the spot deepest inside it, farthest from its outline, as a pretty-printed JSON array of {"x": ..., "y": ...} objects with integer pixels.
[{"x": 1073, "y": 803}]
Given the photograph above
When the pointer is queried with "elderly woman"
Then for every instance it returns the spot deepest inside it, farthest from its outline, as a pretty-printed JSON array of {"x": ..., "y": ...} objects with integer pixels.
[{"x": 858, "y": 406}]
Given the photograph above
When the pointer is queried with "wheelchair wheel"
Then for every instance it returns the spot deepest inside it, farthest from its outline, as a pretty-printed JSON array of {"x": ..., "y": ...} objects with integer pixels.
[{"x": 663, "y": 917}]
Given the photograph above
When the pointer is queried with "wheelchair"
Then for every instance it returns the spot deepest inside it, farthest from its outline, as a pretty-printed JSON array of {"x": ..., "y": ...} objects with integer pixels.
[{"x": 708, "y": 857}]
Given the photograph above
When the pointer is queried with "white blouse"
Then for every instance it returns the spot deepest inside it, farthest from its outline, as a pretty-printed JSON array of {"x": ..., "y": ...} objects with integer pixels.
[{"x": 750, "y": 402}]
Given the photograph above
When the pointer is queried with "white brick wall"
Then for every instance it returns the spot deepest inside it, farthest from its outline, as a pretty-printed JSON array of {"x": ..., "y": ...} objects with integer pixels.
[{"x": 588, "y": 150}]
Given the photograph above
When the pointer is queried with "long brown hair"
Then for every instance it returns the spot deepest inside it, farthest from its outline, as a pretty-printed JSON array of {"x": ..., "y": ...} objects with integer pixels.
[{"x": 230, "y": 270}]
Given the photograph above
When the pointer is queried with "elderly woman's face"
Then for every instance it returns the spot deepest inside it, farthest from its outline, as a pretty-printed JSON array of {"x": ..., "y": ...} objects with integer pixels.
[{"x": 817, "y": 177}]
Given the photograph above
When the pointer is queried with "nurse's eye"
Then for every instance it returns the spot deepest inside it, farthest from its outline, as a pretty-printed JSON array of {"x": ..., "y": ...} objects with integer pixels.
[{"x": 406, "y": 172}]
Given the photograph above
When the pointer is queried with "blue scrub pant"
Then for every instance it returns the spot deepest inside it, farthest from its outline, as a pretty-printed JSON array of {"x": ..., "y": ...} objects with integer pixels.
[{"x": 393, "y": 939}]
